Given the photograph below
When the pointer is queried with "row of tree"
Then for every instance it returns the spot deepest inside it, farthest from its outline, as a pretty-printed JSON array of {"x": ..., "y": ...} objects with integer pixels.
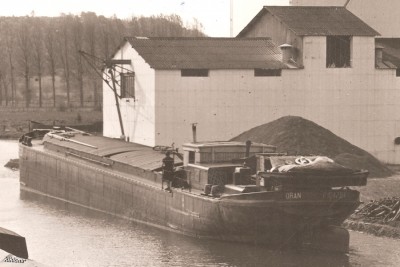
[{"x": 37, "y": 49}]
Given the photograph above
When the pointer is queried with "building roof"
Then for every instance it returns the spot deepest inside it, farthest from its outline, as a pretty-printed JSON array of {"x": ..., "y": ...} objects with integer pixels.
[
  {"x": 391, "y": 50},
  {"x": 208, "y": 53},
  {"x": 316, "y": 21}
]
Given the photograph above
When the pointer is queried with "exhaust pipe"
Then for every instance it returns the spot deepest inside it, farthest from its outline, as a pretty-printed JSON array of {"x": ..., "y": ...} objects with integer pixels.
[
  {"x": 194, "y": 125},
  {"x": 248, "y": 145}
]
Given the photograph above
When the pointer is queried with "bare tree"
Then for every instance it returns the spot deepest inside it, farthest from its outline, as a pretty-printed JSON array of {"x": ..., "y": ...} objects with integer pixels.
[
  {"x": 77, "y": 37},
  {"x": 50, "y": 45},
  {"x": 105, "y": 26},
  {"x": 9, "y": 39},
  {"x": 1, "y": 92},
  {"x": 23, "y": 43},
  {"x": 38, "y": 53},
  {"x": 63, "y": 46},
  {"x": 47, "y": 46},
  {"x": 4, "y": 82},
  {"x": 90, "y": 22}
]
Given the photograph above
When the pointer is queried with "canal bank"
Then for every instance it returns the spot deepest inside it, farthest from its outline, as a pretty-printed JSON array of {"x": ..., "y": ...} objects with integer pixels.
[
  {"x": 381, "y": 219},
  {"x": 375, "y": 229}
]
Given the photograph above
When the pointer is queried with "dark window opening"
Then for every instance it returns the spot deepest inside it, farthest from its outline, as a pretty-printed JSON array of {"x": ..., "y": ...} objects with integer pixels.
[
  {"x": 128, "y": 85},
  {"x": 338, "y": 51},
  {"x": 397, "y": 72},
  {"x": 191, "y": 156},
  {"x": 267, "y": 72},
  {"x": 194, "y": 73}
]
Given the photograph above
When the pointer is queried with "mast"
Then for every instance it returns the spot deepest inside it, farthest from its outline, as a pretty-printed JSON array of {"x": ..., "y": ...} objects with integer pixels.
[{"x": 117, "y": 102}]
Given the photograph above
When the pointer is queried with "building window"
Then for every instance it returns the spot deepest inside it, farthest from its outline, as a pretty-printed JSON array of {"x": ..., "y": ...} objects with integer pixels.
[
  {"x": 128, "y": 85},
  {"x": 267, "y": 72},
  {"x": 191, "y": 156},
  {"x": 194, "y": 73},
  {"x": 338, "y": 51},
  {"x": 397, "y": 72}
]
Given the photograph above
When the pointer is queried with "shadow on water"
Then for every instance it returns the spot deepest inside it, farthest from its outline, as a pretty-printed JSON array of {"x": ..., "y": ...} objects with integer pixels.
[{"x": 157, "y": 247}]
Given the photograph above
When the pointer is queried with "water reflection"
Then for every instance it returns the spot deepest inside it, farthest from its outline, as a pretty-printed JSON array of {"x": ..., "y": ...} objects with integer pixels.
[{"x": 104, "y": 240}]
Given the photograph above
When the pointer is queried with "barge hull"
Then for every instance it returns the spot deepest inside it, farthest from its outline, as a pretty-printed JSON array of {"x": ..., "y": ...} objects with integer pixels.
[{"x": 93, "y": 186}]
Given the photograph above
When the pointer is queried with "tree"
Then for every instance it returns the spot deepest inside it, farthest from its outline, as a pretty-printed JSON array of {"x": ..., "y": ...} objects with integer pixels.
[
  {"x": 77, "y": 37},
  {"x": 3, "y": 87},
  {"x": 24, "y": 45},
  {"x": 63, "y": 46},
  {"x": 90, "y": 21},
  {"x": 50, "y": 45},
  {"x": 38, "y": 53},
  {"x": 1, "y": 91},
  {"x": 3, "y": 68},
  {"x": 4, "y": 82},
  {"x": 9, "y": 42},
  {"x": 46, "y": 46}
]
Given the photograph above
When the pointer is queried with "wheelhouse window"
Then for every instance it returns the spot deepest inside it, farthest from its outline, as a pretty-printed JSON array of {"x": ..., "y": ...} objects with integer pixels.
[
  {"x": 397, "y": 72},
  {"x": 338, "y": 51},
  {"x": 267, "y": 72},
  {"x": 191, "y": 156},
  {"x": 128, "y": 85},
  {"x": 194, "y": 72}
]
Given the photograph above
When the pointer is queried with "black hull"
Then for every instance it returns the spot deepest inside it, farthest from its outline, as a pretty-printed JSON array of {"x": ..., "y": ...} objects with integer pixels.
[
  {"x": 13, "y": 243},
  {"x": 262, "y": 218},
  {"x": 234, "y": 218}
]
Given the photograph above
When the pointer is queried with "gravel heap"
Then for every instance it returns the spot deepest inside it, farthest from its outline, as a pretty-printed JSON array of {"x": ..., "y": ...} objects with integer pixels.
[{"x": 297, "y": 136}]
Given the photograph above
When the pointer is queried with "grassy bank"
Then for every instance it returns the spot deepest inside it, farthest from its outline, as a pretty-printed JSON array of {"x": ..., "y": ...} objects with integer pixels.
[{"x": 13, "y": 124}]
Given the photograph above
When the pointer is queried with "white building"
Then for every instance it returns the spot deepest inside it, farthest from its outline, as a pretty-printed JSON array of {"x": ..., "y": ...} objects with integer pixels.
[
  {"x": 328, "y": 73},
  {"x": 180, "y": 81}
]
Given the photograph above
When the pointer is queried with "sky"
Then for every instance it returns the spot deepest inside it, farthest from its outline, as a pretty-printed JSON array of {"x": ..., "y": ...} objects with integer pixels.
[{"x": 214, "y": 15}]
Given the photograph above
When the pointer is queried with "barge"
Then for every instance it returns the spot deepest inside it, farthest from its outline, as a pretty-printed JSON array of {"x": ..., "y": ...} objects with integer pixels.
[
  {"x": 13, "y": 243},
  {"x": 14, "y": 251},
  {"x": 230, "y": 191}
]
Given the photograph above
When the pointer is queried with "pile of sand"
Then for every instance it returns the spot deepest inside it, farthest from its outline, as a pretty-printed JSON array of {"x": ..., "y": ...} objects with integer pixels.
[{"x": 298, "y": 136}]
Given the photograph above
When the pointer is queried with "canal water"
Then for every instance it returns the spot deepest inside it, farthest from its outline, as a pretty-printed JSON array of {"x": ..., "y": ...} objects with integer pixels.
[{"x": 62, "y": 235}]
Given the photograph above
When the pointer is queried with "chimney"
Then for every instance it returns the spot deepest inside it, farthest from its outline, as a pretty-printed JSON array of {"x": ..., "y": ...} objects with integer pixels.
[
  {"x": 286, "y": 52},
  {"x": 248, "y": 145},
  {"x": 378, "y": 54},
  {"x": 194, "y": 132}
]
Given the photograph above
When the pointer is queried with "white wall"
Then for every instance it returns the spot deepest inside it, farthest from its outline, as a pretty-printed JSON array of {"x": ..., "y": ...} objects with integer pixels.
[
  {"x": 381, "y": 15},
  {"x": 137, "y": 114},
  {"x": 223, "y": 104},
  {"x": 358, "y": 103}
]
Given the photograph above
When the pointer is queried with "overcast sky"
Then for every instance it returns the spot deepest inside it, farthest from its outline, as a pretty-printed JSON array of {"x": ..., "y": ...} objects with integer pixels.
[{"x": 214, "y": 15}]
